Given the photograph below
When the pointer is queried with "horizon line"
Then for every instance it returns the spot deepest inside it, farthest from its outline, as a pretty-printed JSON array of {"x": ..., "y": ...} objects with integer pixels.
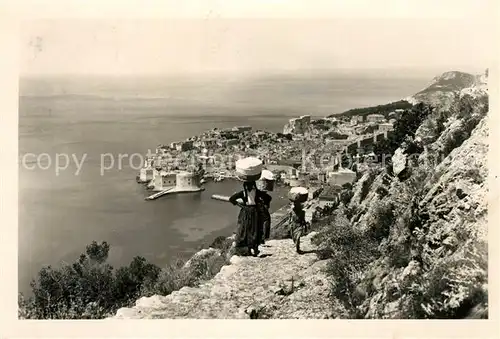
[{"x": 465, "y": 69}]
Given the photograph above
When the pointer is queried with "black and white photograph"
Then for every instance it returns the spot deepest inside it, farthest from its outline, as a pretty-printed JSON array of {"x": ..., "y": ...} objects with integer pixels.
[{"x": 230, "y": 166}]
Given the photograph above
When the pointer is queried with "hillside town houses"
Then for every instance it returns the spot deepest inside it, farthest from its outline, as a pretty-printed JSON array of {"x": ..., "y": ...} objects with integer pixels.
[{"x": 308, "y": 152}]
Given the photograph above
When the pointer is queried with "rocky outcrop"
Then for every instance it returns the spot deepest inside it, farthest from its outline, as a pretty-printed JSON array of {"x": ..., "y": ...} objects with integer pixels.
[
  {"x": 298, "y": 125},
  {"x": 430, "y": 227},
  {"x": 461, "y": 191},
  {"x": 279, "y": 284},
  {"x": 398, "y": 161},
  {"x": 203, "y": 255},
  {"x": 436, "y": 253},
  {"x": 443, "y": 89}
]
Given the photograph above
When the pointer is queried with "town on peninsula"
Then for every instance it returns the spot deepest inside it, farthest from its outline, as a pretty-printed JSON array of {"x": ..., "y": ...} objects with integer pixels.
[{"x": 308, "y": 152}]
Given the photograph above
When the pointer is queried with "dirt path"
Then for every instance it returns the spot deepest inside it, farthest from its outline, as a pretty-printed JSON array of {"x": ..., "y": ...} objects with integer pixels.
[{"x": 249, "y": 288}]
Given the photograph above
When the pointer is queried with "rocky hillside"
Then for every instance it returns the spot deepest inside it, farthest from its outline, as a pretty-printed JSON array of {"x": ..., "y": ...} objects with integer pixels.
[
  {"x": 443, "y": 88},
  {"x": 408, "y": 240},
  {"x": 421, "y": 220}
]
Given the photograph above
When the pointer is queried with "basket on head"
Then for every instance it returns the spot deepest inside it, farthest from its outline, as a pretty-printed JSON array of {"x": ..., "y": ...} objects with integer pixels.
[
  {"x": 266, "y": 181},
  {"x": 249, "y": 169},
  {"x": 298, "y": 194}
]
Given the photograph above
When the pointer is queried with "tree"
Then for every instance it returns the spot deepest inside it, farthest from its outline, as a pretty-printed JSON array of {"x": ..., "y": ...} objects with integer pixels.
[
  {"x": 98, "y": 252},
  {"x": 404, "y": 128},
  {"x": 88, "y": 288}
]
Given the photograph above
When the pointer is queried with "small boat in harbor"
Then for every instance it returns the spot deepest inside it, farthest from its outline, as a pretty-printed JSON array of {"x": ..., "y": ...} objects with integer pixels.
[{"x": 218, "y": 178}]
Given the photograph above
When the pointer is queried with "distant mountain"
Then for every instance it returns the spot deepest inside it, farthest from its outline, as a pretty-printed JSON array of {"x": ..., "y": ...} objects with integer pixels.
[{"x": 443, "y": 88}]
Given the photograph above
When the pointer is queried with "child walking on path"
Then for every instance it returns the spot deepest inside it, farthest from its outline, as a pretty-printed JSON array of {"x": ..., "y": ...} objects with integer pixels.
[
  {"x": 266, "y": 184},
  {"x": 297, "y": 221}
]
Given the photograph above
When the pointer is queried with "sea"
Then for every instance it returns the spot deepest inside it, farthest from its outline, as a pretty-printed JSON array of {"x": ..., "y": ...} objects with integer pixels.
[{"x": 65, "y": 205}]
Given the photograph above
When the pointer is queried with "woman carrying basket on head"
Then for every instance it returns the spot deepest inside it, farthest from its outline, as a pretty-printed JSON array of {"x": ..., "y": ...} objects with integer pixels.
[{"x": 249, "y": 230}]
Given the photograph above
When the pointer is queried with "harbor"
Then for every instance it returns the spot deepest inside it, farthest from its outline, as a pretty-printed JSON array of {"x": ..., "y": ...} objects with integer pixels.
[{"x": 309, "y": 152}]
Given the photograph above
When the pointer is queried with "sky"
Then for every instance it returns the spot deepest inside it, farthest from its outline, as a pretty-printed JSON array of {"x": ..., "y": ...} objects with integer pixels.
[{"x": 281, "y": 36}]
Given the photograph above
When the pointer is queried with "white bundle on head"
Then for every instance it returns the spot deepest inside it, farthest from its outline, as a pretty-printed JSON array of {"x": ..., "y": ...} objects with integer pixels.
[
  {"x": 298, "y": 194},
  {"x": 267, "y": 175},
  {"x": 249, "y": 169},
  {"x": 266, "y": 181},
  {"x": 299, "y": 190}
]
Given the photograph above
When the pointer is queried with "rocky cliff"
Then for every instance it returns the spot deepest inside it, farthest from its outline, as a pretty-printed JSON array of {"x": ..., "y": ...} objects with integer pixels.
[
  {"x": 441, "y": 91},
  {"x": 423, "y": 221}
]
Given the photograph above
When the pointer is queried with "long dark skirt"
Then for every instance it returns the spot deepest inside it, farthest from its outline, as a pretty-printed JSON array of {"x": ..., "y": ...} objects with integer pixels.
[{"x": 249, "y": 232}]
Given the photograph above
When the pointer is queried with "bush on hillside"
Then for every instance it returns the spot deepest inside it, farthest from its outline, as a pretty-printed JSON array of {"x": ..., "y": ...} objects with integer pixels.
[
  {"x": 452, "y": 287},
  {"x": 383, "y": 219},
  {"x": 67, "y": 292},
  {"x": 456, "y": 139},
  {"x": 346, "y": 195},
  {"x": 352, "y": 251},
  {"x": 91, "y": 289},
  {"x": 404, "y": 128}
]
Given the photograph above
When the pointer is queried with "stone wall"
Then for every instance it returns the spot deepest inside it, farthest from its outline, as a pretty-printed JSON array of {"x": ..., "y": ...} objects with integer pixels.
[
  {"x": 341, "y": 177},
  {"x": 187, "y": 180}
]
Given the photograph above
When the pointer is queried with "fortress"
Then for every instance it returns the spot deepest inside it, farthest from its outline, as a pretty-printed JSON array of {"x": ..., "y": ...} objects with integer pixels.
[{"x": 174, "y": 182}]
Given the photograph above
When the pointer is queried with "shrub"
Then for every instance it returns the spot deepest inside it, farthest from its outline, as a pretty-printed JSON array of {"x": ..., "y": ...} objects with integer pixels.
[
  {"x": 66, "y": 292},
  {"x": 90, "y": 288},
  {"x": 430, "y": 127},
  {"x": 475, "y": 175},
  {"x": 441, "y": 120},
  {"x": 470, "y": 110},
  {"x": 352, "y": 251},
  {"x": 451, "y": 287},
  {"x": 382, "y": 192},
  {"x": 405, "y": 127},
  {"x": 458, "y": 136},
  {"x": 383, "y": 220},
  {"x": 222, "y": 243},
  {"x": 346, "y": 194}
]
